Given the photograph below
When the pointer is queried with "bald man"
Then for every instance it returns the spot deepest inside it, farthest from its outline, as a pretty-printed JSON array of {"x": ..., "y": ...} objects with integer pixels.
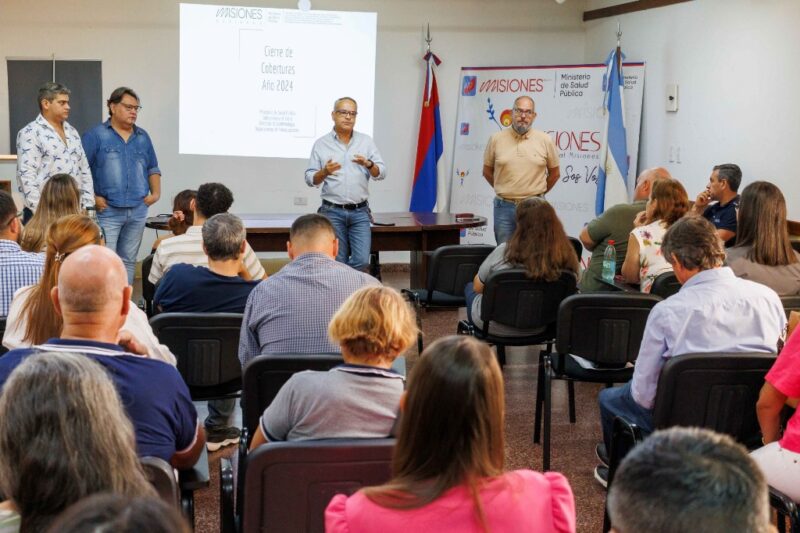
[
  {"x": 93, "y": 299},
  {"x": 615, "y": 224}
]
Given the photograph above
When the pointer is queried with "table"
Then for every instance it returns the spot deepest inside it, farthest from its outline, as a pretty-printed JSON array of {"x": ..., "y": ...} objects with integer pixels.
[{"x": 414, "y": 232}]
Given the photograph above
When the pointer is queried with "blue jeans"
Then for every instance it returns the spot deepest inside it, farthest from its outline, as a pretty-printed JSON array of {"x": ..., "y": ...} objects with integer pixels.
[
  {"x": 123, "y": 227},
  {"x": 505, "y": 219},
  {"x": 618, "y": 401},
  {"x": 469, "y": 296},
  {"x": 219, "y": 413},
  {"x": 353, "y": 230}
]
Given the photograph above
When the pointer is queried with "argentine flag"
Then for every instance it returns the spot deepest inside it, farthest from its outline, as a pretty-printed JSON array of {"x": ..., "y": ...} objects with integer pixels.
[{"x": 612, "y": 180}]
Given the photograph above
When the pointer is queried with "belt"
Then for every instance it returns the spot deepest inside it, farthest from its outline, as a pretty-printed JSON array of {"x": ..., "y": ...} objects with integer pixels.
[
  {"x": 519, "y": 201},
  {"x": 349, "y": 207}
]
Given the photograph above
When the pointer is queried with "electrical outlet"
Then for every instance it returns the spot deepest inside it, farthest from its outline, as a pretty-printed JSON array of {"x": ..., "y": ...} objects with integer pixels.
[{"x": 300, "y": 200}]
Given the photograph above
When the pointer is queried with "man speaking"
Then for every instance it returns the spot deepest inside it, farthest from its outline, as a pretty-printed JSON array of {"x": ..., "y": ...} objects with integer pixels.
[{"x": 343, "y": 161}]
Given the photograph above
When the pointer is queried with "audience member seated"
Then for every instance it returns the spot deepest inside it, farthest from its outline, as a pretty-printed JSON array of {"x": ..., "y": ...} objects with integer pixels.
[
  {"x": 290, "y": 311},
  {"x": 120, "y": 514},
  {"x": 216, "y": 289},
  {"x": 779, "y": 458},
  {"x": 93, "y": 299},
  {"x": 763, "y": 251},
  {"x": 32, "y": 318},
  {"x": 722, "y": 190},
  {"x": 644, "y": 261},
  {"x": 359, "y": 399},
  {"x": 182, "y": 217},
  {"x": 714, "y": 312},
  {"x": 60, "y": 197},
  {"x": 212, "y": 199},
  {"x": 689, "y": 479},
  {"x": 448, "y": 461},
  {"x": 17, "y": 268},
  {"x": 63, "y": 435},
  {"x": 615, "y": 223},
  {"x": 538, "y": 244}
]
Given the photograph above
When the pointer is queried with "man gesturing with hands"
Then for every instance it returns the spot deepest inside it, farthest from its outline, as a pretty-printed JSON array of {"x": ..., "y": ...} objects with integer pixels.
[{"x": 342, "y": 162}]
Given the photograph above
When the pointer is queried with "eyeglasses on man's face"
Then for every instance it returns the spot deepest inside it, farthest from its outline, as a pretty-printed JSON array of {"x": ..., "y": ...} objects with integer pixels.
[
  {"x": 130, "y": 107},
  {"x": 523, "y": 112},
  {"x": 343, "y": 113}
]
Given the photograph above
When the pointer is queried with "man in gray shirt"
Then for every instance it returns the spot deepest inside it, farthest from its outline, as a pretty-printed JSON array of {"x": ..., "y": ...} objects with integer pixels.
[
  {"x": 342, "y": 162},
  {"x": 289, "y": 312}
]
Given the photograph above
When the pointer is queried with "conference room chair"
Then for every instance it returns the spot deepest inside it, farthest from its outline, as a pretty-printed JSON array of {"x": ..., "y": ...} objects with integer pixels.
[
  {"x": 577, "y": 245},
  {"x": 716, "y": 391},
  {"x": 449, "y": 270},
  {"x": 598, "y": 336},
  {"x": 287, "y": 485},
  {"x": 178, "y": 491},
  {"x": 148, "y": 289},
  {"x": 665, "y": 285},
  {"x": 206, "y": 346},
  {"x": 790, "y": 303},
  {"x": 162, "y": 477},
  {"x": 3, "y": 349},
  {"x": 511, "y": 298}
]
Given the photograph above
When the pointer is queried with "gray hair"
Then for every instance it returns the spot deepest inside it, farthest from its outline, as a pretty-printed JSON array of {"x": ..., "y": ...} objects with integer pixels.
[
  {"x": 49, "y": 91},
  {"x": 689, "y": 479},
  {"x": 223, "y": 235},
  {"x": 694, "y": 243},
  {"x": 730, "y": 173},
  {"x": 342, "y": 99}
]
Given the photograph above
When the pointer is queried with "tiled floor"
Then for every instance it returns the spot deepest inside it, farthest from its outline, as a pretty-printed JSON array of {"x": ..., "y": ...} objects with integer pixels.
[{"x": 572, "y": 444}]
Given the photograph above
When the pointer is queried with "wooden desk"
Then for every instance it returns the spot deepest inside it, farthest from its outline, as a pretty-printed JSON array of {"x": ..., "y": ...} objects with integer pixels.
[{"x": 414, "y": 232}]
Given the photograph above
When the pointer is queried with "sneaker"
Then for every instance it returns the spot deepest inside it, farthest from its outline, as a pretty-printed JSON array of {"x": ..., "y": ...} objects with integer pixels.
[
  {"x": 218, "y": 437},
  {"x": 601, "y": 475},
  {"x": 601, "y": 453}
]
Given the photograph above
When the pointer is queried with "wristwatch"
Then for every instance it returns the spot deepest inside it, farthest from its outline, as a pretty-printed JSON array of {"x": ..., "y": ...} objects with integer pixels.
[{"x": 371, "y": 164}]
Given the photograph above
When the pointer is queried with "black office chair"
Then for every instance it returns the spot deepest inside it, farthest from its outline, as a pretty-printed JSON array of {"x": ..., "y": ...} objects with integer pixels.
[
  {"x": 206, "y": 346},
  {"x": 160, "y": 474},
  {"x": 288, "y": 485},
  {"x": 512, "y": 299},
  {"x": 604, "y": 329},
  {"x": 3, "y": 349},
  {"x": 577, "y": 245},
  {"x": 181, "y": 491},
  {"x": 787, "y": 509},
  {"x": 790, "y": 303},
  {"x": 449, "y": 270},
  {"x": 148, "y": 289},
  {"x": 665, "y": 285}
]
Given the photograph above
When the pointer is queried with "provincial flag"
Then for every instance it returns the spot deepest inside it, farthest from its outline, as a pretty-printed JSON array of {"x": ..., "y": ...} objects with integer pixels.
[
  {"x": 612, "y": 180},
  {"x": 429, "y": 191}
]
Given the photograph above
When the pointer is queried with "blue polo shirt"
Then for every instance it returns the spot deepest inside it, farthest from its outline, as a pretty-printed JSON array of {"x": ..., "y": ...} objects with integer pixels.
[
  {"x": 196, "y": 289},
  {"x": 153, "y": 393},
  {"x": 723, "y": 217},
  {"x": 120, "y": 170}
]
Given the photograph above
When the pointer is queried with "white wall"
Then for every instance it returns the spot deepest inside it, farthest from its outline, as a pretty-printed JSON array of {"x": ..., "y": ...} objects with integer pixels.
[
  {"x": 736, "y": 64},
  {"x": 138, "y": 44}
]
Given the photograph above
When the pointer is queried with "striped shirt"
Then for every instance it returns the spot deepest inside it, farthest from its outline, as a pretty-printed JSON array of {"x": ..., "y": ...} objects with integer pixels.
[
  {"x": 188, "y": 248},
  {"x": 17, "y": 269},
  {"x": 290, "y": 311}
]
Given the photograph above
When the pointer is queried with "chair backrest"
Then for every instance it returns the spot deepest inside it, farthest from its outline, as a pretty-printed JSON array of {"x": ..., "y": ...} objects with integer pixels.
[
  {"x": 605, "y": 328},
  {"x": 266, "y": 374},
  {"x": 717, "y": 391},
  {"x": 511, "y": 298},
  {"x": 790, "y": 303},
  {"x": 665, "y": 285},
  {"x": 453, "y": 266},
  {"x": 288, "y": 484},
  {"x": 161, "y": 475},
  {"x": 206, "y": 346},
  {"x": 3, "y": 349},
  {"x": 148, "y": 289},
  {"x": 578, "y": 246}
]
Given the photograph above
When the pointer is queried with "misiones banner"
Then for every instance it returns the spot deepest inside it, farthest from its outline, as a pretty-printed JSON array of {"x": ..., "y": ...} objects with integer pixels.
[{"x": 569, "y": 108}]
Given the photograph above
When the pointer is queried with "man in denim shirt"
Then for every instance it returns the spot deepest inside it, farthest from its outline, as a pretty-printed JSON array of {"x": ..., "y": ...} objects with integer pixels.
[{"x": 126, "y": 176}]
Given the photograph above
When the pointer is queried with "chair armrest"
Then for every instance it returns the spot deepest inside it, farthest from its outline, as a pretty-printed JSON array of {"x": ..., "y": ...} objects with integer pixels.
[
  {"x": 227, "y": 519},
  {"x": 197, "y": 477},
  {"x": 624, "y": 437},
  {"x": 783, "y": 504}
]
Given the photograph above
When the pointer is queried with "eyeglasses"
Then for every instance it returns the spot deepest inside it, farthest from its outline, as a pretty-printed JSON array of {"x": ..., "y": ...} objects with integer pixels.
[
  {"x": 523, "y": 112},
  {"x": 346, "y": 113},
  {"x": 130, "y": 107}
]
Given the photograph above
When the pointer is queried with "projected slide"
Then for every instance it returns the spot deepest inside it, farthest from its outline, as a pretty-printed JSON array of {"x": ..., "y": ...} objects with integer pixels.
[{"x": 262, "y": 82}]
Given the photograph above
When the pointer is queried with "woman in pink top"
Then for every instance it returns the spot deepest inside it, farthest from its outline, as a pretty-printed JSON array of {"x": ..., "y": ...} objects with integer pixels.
[
  {"x": 448, "y": 462},
  {"x": 780, "y": 459}
]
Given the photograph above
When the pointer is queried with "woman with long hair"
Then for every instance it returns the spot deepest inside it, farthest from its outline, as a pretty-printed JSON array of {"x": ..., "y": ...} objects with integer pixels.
[
  {"x": 182, "y": 216},
  {"x": 63, "y": 435},
  {"x": 448, "y": 465},
  {"x": 60, "y": 196},
  {"x": 539, "y": 244},
  {"x": 360, "y": 398},
  {"x": 667, "y": 203},
  {"x": 763, "y": 251},
  {"x": 32, "y": 319}
]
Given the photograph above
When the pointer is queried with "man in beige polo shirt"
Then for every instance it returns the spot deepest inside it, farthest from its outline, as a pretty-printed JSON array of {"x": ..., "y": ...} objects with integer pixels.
[{"x": 519, "y": 162}]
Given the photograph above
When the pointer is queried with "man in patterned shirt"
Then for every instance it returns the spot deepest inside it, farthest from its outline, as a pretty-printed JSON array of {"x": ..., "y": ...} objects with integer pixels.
[
  {"x": 48, "y": 146},
  {"x": 17, "y": 268},
  {"x": 290, "y": 311}
]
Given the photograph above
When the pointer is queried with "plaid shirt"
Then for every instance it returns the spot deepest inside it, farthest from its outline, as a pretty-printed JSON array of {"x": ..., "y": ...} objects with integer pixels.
[{"x": 17, "y": 269}]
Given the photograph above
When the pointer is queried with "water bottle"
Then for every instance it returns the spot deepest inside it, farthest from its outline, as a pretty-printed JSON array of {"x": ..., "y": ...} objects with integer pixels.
[{"x": 610, "y": 262}]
